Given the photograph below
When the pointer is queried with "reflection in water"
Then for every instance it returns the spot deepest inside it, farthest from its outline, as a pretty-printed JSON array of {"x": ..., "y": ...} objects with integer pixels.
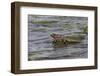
[{"x": 42, "y": 46}]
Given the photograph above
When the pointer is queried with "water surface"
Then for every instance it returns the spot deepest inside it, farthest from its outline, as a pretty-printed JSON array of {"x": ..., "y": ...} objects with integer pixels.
[{"x": 40, "y": 46}]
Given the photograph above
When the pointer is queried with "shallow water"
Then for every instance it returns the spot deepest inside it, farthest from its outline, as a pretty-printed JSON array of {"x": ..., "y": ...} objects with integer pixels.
[{"x": 40, "y": 46}]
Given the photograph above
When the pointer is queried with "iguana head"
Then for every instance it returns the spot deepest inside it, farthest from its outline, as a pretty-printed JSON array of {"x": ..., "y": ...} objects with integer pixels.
[{"x": 56, "y": 36}]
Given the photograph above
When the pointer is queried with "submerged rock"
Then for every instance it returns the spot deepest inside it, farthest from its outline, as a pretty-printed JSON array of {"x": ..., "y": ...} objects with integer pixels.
[
  {"x": 75, "y": 38},
  {"x": 85, "y": 29}
]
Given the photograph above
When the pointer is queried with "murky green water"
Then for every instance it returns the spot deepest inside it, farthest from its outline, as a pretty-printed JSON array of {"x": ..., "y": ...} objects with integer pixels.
[{"x": 40, "y": 43}]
